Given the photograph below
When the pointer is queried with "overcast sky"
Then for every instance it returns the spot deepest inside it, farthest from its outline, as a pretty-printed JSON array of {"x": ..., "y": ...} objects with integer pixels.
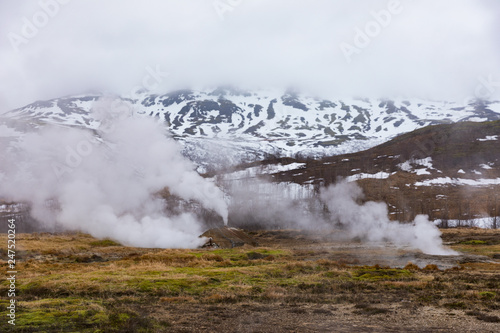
[{"x": 426, "y": 48}]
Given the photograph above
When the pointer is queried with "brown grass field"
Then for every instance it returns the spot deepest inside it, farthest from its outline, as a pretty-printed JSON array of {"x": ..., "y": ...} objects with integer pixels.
[{"x": 292, "y": 282}]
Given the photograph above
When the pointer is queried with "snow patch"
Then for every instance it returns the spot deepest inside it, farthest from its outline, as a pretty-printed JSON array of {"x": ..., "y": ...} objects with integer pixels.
[
  {"x": 422, "y": 172},
  {"x": 378, "y": 175},
  {"x": 425, "y": 162},
  {"x": 458, "y": 181},
  {"x": 405, "y": 166},
  {"x": 489, "y": 138},
  {"x": 482, "y": 222}
]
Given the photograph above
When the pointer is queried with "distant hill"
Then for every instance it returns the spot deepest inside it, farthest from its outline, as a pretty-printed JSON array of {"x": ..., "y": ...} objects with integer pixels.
[
  {"x": 229, "y": 126},
  {"x": 449, "y": 171},
  {"x": 433, "y": 157}
]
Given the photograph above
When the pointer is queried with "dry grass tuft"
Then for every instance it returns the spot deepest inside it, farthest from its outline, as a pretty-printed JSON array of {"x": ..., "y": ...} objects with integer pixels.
[
  {"x": 431, "y": 268},
  {"x": 411, "y": 267},
  {"x": 178, "y": 299},
  {"x": 274, "y": 293}
]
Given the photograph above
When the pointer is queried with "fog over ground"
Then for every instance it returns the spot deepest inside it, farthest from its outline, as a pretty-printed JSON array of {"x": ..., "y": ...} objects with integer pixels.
[
  {"x": 108, "y": 185},
  {"x": 432, "y": 49},
  {"x": 51, "y": 48}
]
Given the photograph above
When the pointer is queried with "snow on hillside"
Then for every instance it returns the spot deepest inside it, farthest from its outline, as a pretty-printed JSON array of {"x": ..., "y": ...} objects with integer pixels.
[
  {"x": 378, "y": 175},
  {"x": 489, "y": 138},
  {"x": 261, "y": 170},
  {"x": 459, "y": 181},
  {"x": 248, "y": 126}
]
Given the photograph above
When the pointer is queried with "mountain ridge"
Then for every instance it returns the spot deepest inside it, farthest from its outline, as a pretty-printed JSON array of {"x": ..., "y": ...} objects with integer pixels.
[
  {"x": 448, "y": 172},
  {"x": 254, "y": 125}
]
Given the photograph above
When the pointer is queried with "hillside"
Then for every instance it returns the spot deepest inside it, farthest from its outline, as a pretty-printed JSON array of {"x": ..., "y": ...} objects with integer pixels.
[
  {"x": 251, "y": 125},
  {"x": 435, "y": 158},
  {"x": 449, "y": 171}
]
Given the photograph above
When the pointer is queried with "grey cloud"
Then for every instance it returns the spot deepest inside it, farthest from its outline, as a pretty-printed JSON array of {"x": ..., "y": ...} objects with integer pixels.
[{"x": 430, "y": 49}]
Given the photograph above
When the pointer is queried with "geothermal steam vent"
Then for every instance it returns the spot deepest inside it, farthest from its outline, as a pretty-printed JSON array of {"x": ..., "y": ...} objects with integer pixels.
[{"x": 227, "y": 238}]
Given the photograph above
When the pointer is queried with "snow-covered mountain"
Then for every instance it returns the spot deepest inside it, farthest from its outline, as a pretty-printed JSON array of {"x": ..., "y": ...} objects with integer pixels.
[{"x": 231, "y": 126}]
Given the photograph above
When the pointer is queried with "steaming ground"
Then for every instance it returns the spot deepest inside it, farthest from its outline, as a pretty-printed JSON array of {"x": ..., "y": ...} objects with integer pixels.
[
  {"x": 294, "y": 281},
  {"x": 258, "y": 204},
  {"x": 106, "y": 185},
  {"x": 369, "y": 221}
]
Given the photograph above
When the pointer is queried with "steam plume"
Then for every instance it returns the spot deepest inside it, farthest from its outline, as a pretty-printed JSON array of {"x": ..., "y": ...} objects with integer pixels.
[
  {"x": 105, "y": 185},
  {"x": 257, "y": 203},
  {"x": 369, "y": 221}
]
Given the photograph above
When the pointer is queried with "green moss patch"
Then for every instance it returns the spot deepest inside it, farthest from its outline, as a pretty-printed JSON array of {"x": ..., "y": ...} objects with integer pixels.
[
  {"x": 474, "y": 242},
  {"x": 378, "y": 274}
]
